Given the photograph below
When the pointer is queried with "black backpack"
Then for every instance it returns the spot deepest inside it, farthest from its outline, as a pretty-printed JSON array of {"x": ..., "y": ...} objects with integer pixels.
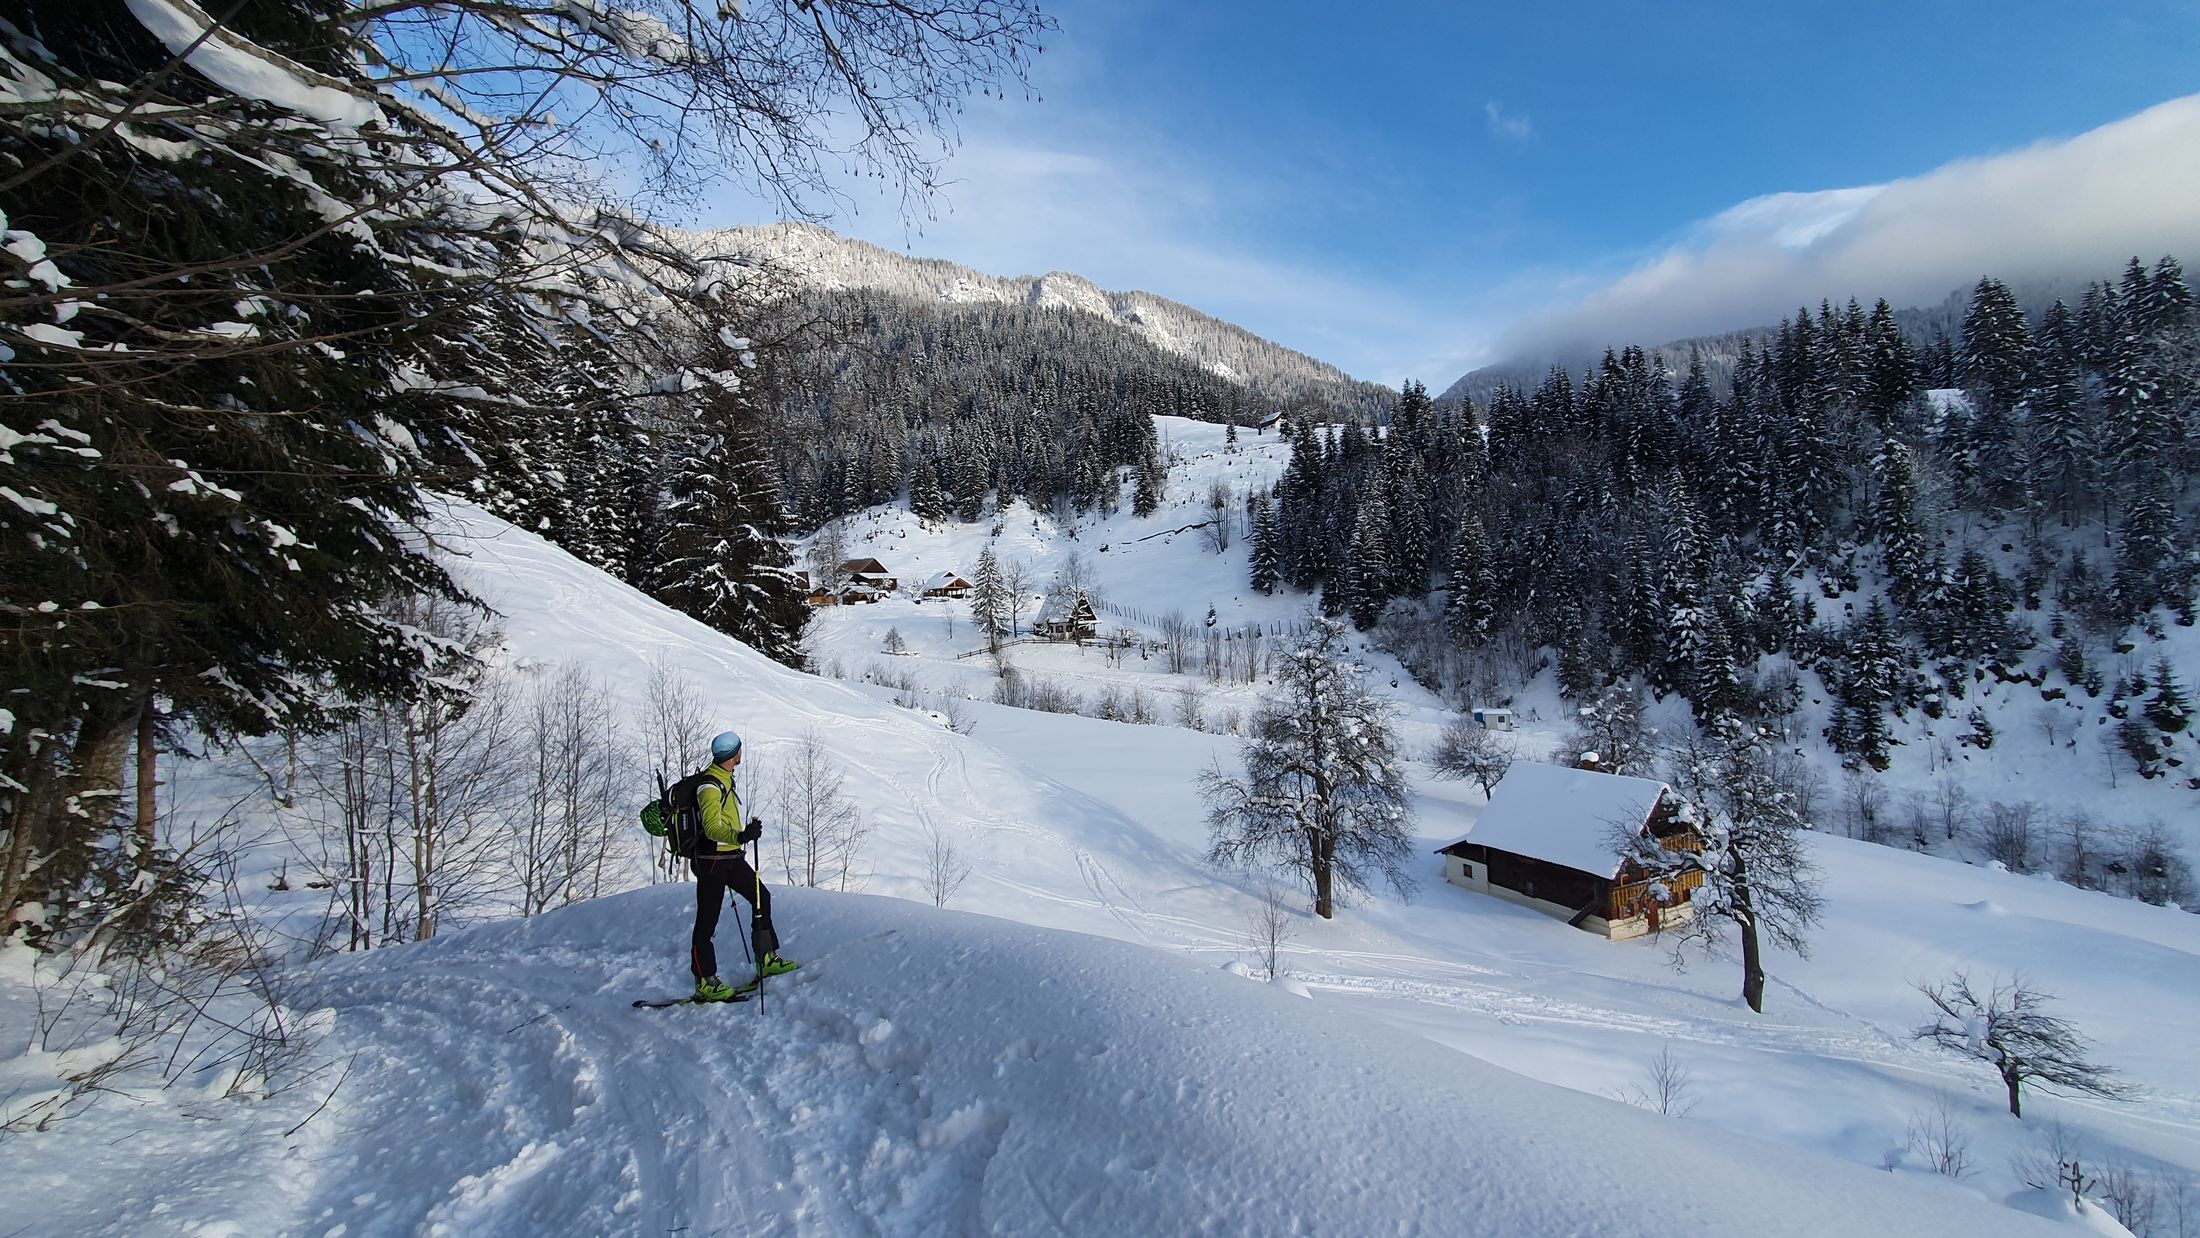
[{"x": 676, "y": 816}]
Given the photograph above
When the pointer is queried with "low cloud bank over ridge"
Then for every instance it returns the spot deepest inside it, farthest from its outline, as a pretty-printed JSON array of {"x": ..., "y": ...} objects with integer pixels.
[{"x": 2074, "y": 206}]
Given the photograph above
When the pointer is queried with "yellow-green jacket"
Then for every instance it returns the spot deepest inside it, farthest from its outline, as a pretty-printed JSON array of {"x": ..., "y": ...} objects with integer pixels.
[{"x": 720, "y": 808}]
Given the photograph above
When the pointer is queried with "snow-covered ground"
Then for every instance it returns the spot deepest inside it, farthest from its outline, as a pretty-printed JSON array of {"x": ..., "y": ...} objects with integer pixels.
[{"x": 1076, "y": 1059}]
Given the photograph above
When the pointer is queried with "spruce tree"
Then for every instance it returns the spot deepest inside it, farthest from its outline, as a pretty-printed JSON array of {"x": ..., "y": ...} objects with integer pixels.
[
  {"x": 1367, "y": 588},
  {"x": 1266, "y": 574},
  {"x": 724, "y": 559},
  {"x": 927, "y": 501},
  {"x": 989, "y": 600},
  {"x": 2147, "y": 573},
  {"x": 2168, "y": 710},
  {"x": 1469, "y": 607}
]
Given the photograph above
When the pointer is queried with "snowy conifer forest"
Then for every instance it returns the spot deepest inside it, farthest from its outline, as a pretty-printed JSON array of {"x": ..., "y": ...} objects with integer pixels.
[{"x": 394, "y": 502}]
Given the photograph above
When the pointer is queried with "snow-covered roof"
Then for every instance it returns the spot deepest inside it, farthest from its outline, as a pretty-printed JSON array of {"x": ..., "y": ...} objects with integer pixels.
[
  {"x": 1563, "y": 816},
  {"x": 1061, "y": 608},
  {"x": 943, "y": 580}
]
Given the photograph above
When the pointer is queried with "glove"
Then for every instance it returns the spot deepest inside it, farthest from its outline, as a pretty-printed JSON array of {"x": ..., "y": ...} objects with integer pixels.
[{"x": 755, "y": 830}]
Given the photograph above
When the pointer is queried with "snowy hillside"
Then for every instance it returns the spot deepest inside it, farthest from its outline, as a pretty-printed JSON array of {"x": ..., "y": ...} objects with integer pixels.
[
  {"x": 826, "y": 260},
  {"x": 1078, "y": 1060}
]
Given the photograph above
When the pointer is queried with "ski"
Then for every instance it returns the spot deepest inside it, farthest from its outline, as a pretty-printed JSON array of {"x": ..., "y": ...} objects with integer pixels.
[{"x": 659, "y": 1003}]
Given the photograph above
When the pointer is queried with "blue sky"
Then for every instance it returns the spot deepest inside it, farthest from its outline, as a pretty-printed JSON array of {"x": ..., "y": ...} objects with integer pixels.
[{"x": 1410, "y": 190}]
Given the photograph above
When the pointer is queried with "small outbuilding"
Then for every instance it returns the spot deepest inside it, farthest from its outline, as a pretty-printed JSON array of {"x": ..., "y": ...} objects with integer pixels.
[
  {"x": 1492, "y": 719},
  {"x": 1551, "y": 839}
]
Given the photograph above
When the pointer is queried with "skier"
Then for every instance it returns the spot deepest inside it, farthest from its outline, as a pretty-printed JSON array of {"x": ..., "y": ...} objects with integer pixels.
[{"x": 720, "y": 867}]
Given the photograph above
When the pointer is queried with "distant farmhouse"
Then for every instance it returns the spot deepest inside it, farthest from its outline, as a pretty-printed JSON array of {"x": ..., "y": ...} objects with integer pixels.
[
  {"x": 943, "y": 585},
  {"x": 1066, "y": 617},
  {"x": 870, "y": 574},
  {"x": 1550, "y": 840}
]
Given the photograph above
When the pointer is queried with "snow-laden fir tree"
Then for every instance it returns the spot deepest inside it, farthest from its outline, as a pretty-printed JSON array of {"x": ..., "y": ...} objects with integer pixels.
[
  {"x": 1367, "y": 583},
  {"x": 1468, "y": 608},
  {"x": 989, "y": 597},
  {"x": 218, "y": 414},
  {"x": 1265, "y": 571},
  {"x": 1323, "y": 792},
  {"x": 724, "y": 559}
]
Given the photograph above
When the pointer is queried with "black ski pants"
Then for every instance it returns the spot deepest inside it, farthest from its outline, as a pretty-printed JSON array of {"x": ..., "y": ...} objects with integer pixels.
[{"x": 714, "y": 877}]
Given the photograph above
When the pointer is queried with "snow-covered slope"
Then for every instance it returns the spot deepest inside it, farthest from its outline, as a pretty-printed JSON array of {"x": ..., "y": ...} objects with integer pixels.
[
  {"x": 945, "y": 1073},
  {"x": 824, "y": 259}
]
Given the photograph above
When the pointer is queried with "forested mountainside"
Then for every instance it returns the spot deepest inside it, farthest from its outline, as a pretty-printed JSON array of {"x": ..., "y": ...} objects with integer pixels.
[
  {"x": 825, "y": 261},
  {"x": 1931, "y": 331},
  {"x": 1832, "y": 513},
  {"x": 948, "y": 403}
]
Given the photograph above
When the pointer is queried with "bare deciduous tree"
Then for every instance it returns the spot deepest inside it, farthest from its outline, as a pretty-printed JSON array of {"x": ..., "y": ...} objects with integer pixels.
[
  {"x": 1936, "y": 1139},
  {"x": 673, "y": 722},
  {"x": 1190, "y": 701},
  {"x": 1670, "y": 1087},
  {"x": 946, "y": 865},
  {"x": 1755, "y": 804},
  {"x": 823, "y": 829},
  {"x": 1323, "y": 793},
  {"x": 827, "y": 557},
  {"x": 1016, "y": 581},
  {"x": 570, "y": 799},
  {"x": 1177, "y": 631},
  {"x": 1469, "y": 750},
  {"x": 1217, "y": 532},
  {"x": 2008, "y": 1027},
  {"x": 1269, "y": 929},
  {"x": 397, "y": 809}
]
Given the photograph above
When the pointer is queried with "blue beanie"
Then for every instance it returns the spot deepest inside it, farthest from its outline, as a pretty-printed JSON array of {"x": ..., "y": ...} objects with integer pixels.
[{"x": 725, "y": 745}]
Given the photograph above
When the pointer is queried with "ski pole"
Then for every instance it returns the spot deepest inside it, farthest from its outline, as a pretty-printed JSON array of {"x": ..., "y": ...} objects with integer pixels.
[{"x": 756, "y": 874}]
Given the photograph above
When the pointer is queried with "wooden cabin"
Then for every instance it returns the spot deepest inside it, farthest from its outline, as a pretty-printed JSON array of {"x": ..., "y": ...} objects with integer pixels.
[
  {"x": 1066, "y": 618},
  {"x": 859, "y": 595},
  {"x": 944, "y": 585},
  {"x": 815, "y": 594},
  {"x": 869, "y": 573},
  {"x": 1550, "y": 840}
]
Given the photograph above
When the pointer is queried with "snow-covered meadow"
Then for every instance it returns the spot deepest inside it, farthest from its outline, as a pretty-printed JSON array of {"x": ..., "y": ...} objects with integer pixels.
[{"x": 1076, "y": 1057}]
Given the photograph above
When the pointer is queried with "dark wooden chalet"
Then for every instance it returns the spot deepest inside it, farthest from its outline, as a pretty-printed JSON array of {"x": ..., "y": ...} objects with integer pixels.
[
  {"x": 869, "y": 573},
  {"x": 1551, "y": 837}
]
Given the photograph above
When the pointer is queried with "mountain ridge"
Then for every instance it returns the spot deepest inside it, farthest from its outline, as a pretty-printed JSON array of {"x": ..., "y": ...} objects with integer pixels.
[{"x": 825, "y": 260}]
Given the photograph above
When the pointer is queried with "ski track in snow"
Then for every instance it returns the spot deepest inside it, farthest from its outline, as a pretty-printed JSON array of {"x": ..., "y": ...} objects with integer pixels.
[{"x": 548, "y": 1101}]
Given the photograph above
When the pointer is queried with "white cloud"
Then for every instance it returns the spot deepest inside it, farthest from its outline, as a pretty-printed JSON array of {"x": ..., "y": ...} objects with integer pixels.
[
  {"x": 2076, "y": 206},
  {"x": 1512, "y": 128}
]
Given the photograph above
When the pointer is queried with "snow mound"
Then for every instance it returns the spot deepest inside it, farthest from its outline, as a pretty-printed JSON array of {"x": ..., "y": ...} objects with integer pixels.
[{"x": 938, "y": 1072}]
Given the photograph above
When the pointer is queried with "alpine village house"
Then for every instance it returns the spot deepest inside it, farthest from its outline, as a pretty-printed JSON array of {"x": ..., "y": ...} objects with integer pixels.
[
  {"x": 1551, "y": 840},
  {"x": 1066, "y": 617}
]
